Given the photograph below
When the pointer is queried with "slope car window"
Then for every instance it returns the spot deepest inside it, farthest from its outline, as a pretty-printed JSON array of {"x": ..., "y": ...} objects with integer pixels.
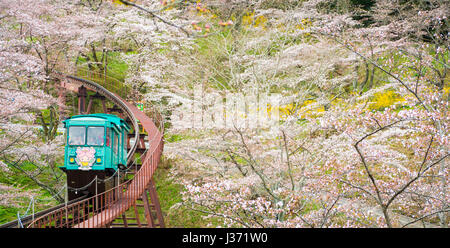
[
  {"x": 95, "y": 136},
  {"x": 77, "y": 136}
]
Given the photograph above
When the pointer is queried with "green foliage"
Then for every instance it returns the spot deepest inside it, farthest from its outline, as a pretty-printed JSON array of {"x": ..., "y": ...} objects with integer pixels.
[
  {"x": 170, "y": 194},
  {"x": 23, "y": 183},
  {"x": 175, "y": 137},
  {"x": 49, "y": 120},
  {"x": 213, "y": 52},
  {"x": 116, "y": 67},
  {"x": 281, "y": 4},
  {"x": 345, "y": 6},
  {"x": 357, "y": 7},
  {"x": 12, "y": 178},
  {"x": 8, "y": 214}
]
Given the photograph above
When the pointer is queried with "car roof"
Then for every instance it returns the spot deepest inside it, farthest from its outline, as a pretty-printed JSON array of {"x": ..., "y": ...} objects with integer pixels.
[{"x": 98, "y": 118}]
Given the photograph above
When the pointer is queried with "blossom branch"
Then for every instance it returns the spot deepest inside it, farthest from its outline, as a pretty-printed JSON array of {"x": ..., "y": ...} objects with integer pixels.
[{"x": 153, "y": 14}]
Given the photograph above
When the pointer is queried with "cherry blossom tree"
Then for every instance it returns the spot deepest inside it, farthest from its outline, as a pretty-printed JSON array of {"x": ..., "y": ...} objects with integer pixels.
[
  {"x": 34, "y": 40},
  {"x": 378, "y": 151}
]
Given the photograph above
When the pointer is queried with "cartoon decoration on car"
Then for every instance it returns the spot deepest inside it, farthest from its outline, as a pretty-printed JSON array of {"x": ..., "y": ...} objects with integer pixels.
[{"x": 85, "y": 157}]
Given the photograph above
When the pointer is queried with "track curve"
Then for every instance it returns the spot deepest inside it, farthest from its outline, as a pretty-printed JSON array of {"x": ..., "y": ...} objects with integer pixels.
[{"x": 101, "y": 209}]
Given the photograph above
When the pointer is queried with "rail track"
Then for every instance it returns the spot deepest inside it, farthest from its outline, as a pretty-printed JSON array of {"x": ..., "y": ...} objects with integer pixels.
[{"x": 102, "y": 209}]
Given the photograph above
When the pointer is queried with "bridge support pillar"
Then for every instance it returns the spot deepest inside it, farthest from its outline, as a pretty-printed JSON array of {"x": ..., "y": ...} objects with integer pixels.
[
  {"x": 152, "y": 208},
  {"x": 82, "y": 94},
  {"x": 155, "y": 201}
]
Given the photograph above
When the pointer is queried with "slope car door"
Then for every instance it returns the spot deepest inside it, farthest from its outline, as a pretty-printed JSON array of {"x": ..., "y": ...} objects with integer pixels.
[{"x": 115, "y": 148}]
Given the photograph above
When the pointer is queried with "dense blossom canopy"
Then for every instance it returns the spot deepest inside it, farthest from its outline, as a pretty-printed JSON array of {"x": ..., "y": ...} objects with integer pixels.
[{"x": 280, "y": 113}]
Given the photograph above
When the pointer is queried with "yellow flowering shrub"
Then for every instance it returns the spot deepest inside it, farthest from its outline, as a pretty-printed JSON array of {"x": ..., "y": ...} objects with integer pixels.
[
  {"x": 249, "y": 20},
  {"x": 287, "y": 110},
  {"x": 304, "y": 23},
  {"x": 384, "y": 99}
]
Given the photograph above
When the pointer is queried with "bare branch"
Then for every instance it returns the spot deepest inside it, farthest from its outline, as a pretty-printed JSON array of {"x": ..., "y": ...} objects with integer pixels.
[{"x": 153, "y": 14}]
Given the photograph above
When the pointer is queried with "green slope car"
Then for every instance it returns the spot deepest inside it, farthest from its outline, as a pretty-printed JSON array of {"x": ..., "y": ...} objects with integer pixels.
[{"x": 96, "y": 145}]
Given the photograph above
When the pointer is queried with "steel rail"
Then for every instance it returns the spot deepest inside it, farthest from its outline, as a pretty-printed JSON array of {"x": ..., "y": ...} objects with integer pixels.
[{"x": 114, "y": 202}]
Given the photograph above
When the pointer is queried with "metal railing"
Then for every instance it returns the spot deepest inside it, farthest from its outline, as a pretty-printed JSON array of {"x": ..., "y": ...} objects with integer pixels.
[
  {"x": 110, "y": 83},
  {"x": 103, "y": 208}
]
